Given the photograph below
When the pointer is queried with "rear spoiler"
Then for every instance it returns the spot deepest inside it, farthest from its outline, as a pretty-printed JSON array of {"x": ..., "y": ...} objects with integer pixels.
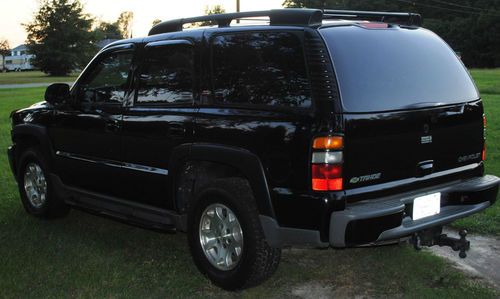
[{"x": 403, "y": 18}]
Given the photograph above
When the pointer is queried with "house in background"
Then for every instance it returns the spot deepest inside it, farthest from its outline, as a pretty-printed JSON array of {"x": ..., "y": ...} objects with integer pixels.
[{"x": 19, "y": 60}]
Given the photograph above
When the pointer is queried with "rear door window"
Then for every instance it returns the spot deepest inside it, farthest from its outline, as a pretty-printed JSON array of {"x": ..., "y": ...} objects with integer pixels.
[
  {"x": 395, "y": 69},
  {"x": 166, "y": 75},
  {"x": 260, "y": 68}
]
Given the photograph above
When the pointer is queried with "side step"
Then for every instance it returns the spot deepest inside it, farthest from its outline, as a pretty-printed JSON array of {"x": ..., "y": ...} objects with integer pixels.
[
  {"x": 125, "y": 211},
  {"x": 434, "y": 236}
]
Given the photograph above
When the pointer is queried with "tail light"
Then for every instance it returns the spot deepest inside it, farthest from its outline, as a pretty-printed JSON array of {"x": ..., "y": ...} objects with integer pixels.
[
  {"x": 327, "y": 159},
  {"x": 483, "y": 156},
  {"x": 330, "y": 142}
]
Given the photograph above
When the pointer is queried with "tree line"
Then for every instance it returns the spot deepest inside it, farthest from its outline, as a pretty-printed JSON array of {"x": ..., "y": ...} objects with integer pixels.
[
  {"x": 471, "y": 27},
  {"x": 63, "y": 37}
]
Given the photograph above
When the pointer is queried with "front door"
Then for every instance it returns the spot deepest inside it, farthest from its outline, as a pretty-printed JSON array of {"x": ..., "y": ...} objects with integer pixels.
[
  {"x": 86, "y": 133},
  {"x": 160, "y": 119}
]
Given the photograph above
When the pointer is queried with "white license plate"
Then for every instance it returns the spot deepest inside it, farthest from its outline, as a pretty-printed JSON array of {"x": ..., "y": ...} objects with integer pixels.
[{"x": 425, "y": 206}]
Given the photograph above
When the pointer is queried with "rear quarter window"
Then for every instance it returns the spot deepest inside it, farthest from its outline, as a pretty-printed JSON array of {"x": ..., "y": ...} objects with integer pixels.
[
  {"x": 395, "y": 69},
  {"x": 260, "y": 68}
]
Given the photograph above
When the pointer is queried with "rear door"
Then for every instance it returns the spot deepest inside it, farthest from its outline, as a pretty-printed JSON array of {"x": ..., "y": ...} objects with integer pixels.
[{"x": 410, "y": 108}]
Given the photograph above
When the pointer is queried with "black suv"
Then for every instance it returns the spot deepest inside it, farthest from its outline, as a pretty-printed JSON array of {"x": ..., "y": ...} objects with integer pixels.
[{"x": 315, "y": 127}]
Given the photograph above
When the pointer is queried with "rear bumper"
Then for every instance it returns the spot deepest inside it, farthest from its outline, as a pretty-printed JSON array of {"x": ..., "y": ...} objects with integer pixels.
[
  {"x": 12, "y": 162},
  {"x": 389, "y": 218},
  {"x": 384, "y": 219}
]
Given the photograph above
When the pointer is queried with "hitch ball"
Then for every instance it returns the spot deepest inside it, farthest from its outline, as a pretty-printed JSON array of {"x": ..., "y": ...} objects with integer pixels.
[{"x": 432, "y": 237}]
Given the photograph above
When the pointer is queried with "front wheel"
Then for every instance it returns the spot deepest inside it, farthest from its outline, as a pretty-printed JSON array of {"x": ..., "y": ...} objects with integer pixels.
[
  {"x": 225, "y": 236},
  {"x": 36, "y": 189}
]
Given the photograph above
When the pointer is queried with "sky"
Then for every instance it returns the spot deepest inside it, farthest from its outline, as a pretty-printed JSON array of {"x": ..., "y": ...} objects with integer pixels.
[{"x": 145, "y": 11}]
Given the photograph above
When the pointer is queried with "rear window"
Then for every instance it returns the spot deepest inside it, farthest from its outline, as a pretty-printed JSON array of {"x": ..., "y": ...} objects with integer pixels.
[{"x": 396, "y": 68}]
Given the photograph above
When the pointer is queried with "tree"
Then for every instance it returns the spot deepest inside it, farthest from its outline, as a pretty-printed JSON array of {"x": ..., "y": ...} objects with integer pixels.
[
  {"x": 216, "y": 9},
  {"x": 60, "y": 37},
  {"x": 471, "y": 27},
  {"x": 125, "y": 23},
  {"x": 156, "y": 22},
  {"x": 107, "y": 30},
  {"x": 120, "y": 29},
  {"x": 4, "y": 51}
]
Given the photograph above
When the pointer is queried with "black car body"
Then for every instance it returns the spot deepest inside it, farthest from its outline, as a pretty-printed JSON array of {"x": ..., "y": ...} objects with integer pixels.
[{"x": 336, "y": 125}]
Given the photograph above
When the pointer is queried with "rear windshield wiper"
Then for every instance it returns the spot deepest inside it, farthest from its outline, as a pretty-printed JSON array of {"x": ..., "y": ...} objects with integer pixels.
[{"x": 423, "y": 105}]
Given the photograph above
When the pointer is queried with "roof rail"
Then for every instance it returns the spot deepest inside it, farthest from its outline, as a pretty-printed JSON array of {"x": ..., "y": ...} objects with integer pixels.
[
  {"x": 404, "y": 18},
  {"x": 291, "y": 17}
]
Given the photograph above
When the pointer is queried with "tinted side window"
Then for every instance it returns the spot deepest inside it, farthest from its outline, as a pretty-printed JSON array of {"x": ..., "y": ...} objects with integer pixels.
[
  {"x": 166, "y": 75},
  {"x": 107, "y": 81},
  {"x": 265, "y": 68}
]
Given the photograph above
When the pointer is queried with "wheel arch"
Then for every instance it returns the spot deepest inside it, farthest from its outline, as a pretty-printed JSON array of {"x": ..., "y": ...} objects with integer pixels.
[
  {"x": 29, "y": 135},
  {"x": 218, "y": 161}
]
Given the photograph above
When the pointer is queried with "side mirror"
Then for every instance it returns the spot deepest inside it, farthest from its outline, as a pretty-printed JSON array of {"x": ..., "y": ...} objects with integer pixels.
[{"x": 57, "y": 93}]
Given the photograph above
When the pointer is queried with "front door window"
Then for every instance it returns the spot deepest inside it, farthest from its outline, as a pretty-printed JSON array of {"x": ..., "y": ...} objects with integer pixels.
[{"x": 108, "y": 81}]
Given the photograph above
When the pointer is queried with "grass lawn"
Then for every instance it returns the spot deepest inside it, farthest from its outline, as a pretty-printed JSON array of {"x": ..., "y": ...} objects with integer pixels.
[
  {"x": 488, "y": 82},
  {"x": 87, "y": 256},
  {"x": 33, "y": 77}
]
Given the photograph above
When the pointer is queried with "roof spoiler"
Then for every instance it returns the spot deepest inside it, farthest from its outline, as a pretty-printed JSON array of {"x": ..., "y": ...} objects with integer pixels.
[{"x": 403, "y": 18}]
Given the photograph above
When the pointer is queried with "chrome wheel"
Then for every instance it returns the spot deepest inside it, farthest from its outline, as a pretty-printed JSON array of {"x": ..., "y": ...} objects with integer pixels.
[
  {"x": 35, "y": 185},
  {"x": 221, "y": 237}
]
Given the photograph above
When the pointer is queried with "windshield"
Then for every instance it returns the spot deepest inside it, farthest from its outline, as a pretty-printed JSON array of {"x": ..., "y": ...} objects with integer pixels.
[{"x": 396, "y": 68}]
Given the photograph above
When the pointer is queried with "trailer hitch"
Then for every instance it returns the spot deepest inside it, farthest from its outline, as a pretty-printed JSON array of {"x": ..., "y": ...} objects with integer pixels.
[{"x": 435, "y": 237}]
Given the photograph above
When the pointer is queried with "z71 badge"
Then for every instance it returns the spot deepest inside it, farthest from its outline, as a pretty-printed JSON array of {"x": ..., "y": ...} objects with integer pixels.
[{"x": 365, "y": 178}]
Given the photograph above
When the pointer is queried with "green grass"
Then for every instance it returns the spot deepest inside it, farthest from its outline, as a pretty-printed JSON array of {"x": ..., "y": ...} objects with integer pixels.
[
  {"x": 87, "y": 256},
  {"x": 488, "y": 83},
  {"x": 33, "y": 77}
]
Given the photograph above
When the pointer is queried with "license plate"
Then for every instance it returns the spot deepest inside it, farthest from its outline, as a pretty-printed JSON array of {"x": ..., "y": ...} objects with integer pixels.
[{"x": 425, "y": 206}]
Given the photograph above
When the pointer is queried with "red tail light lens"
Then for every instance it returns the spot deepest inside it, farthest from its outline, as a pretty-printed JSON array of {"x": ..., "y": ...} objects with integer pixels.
[
  {"x": 372, "y": 25},
  {"x": 326, "y": 177},
  {"x": 483, "y": 156}
]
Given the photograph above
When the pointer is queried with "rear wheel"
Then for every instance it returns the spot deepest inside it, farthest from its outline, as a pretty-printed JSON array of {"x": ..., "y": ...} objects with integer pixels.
[
  {"x": 36, "y": 189},
  {"x": 225, "y": 236},
  {"x": 221, "y": 236}
]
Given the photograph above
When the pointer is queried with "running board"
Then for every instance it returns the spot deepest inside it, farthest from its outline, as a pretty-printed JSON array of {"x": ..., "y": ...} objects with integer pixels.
[{"x": 127, "y": 211}]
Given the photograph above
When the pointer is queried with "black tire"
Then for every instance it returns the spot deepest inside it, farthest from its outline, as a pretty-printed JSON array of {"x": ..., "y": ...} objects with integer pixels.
[
  {"x": 258, "y": 260},
  {"x": 52, "y": 206}
]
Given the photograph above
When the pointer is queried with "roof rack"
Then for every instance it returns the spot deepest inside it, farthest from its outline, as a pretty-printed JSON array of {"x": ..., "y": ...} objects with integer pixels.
[
  {"x": 404, "y": 18},
  {"x": 291, "y": 17}
]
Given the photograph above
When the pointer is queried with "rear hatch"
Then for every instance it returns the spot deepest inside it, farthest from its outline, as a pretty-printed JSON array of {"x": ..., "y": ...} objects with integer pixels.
[{"x": 411, "y": 110}]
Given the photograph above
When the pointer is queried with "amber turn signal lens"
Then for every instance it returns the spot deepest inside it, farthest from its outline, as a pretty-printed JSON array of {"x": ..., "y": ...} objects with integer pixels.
[{"x": 330, "y": 142}]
